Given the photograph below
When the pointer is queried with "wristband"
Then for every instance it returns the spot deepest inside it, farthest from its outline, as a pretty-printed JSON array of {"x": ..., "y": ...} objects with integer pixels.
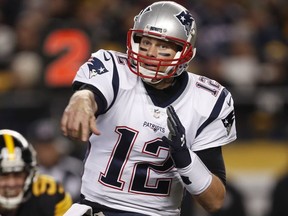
[{"x": 196, "y": 177}]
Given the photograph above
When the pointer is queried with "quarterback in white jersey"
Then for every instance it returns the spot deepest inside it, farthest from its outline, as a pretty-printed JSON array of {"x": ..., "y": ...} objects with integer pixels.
[{"x": 158, "y": 132}]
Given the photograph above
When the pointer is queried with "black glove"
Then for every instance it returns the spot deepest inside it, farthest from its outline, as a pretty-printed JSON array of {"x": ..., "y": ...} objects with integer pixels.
[{"x": 177, "y": 140}]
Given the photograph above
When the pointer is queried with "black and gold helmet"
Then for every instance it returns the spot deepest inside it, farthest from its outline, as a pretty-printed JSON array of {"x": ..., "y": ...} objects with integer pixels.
[{"x": 16, "y": 155}]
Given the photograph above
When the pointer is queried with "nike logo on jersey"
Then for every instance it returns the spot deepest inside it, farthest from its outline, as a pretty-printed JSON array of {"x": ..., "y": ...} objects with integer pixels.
[
  {"x": 96, "y": 67},
  {"x": 105, "y": 58},
  {"x": 228, "y": 121}
]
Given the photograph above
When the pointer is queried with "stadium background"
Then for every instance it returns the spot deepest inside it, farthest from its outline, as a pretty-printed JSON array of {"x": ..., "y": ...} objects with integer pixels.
[{"x": 241, "y": 43}]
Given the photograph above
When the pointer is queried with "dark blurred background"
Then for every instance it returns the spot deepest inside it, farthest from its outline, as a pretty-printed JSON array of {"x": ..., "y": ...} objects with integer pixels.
[{"x": 241, "y": 43}]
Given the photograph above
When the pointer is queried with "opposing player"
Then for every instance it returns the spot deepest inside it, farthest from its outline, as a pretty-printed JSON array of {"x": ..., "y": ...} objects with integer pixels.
[
  {"x": 22, "y": 191},
  {"x": 153, "y": 129}
]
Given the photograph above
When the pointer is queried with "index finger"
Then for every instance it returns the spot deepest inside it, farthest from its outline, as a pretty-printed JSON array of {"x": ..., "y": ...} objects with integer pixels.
[{"x": 63, "y": 123}]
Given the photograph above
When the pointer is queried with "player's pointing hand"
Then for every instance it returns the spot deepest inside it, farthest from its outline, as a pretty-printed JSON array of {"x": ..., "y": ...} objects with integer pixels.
[{"x": 78, "y": 119}]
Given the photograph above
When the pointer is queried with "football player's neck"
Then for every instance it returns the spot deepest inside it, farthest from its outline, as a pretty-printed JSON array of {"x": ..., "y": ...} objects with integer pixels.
[{"x": 163, "y": 84}]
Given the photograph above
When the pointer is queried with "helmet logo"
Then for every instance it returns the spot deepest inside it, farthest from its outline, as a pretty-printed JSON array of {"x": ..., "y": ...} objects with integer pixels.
[
  {"x": 138, "y": 17},
  {"x": 186, "y": 19}
]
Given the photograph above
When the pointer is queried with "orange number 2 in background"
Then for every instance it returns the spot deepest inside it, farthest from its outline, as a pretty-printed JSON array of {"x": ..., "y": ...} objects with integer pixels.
[{"x": 75, "y": 46}]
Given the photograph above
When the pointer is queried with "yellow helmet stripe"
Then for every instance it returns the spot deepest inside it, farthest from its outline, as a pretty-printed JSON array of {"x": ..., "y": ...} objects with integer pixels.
[{"x": 9, "y": 142}]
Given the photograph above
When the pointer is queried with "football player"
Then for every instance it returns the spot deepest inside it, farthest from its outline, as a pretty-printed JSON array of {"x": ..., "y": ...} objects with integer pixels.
[
  {"x": 153, "y": 129},
  {"x": 22, "y": 191}
]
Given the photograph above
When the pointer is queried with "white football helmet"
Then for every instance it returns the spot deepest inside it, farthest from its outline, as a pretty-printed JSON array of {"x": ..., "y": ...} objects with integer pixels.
[
  {"x": 168, "y": 21},
  {"x": 16, "y": 155}
]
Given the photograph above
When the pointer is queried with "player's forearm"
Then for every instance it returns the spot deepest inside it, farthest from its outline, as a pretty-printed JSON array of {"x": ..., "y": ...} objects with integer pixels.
[
  {"x": 213, "y": 197},
  {"x": 207, "y": 188},
  {"x": 87, "y": 96}
]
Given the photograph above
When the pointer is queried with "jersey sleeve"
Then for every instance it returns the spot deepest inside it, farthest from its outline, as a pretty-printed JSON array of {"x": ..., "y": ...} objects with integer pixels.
[
  {"x": 98, "y": 75},
  {"x": 50, "y": 196},
  {"x": 219, "y": 128}
]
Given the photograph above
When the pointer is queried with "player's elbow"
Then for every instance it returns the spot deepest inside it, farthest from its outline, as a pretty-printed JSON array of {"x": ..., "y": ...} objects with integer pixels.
[
  {"x": 216, "y": 205},
  {"x": 212, "y": 202},
  {"x": 212, "y": 199}
]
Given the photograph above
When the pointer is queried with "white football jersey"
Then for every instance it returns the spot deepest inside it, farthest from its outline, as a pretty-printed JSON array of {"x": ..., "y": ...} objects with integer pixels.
[{"x": 128, "y": 167}]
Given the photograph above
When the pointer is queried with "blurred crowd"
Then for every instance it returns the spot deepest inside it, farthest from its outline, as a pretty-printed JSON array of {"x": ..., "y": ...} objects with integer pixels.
[{"x": 241, "y": 43}]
